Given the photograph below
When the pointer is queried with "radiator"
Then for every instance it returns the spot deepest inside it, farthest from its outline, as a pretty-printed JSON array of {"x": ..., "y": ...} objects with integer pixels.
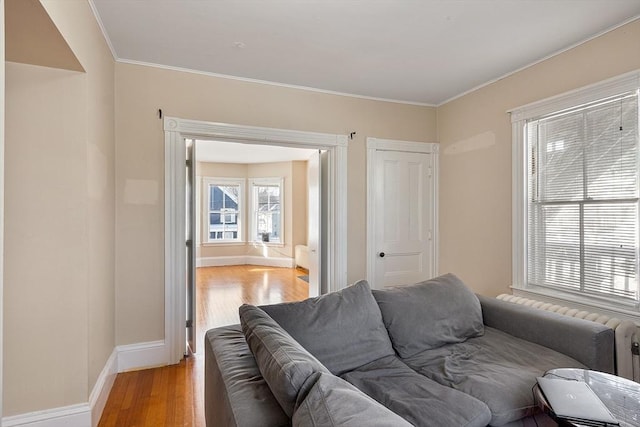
[
  {"x": 627, "y": 335},
  {"x": 302, "y": 256}
]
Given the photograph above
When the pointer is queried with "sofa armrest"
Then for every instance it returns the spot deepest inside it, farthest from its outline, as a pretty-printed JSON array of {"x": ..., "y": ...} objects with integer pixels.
[
  {"x": 235, "y": 394},
  {"x": 590, "y": 343}
]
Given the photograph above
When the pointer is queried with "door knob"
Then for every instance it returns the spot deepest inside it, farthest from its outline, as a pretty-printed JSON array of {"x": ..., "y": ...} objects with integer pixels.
[{"x": 381, "y": 254}]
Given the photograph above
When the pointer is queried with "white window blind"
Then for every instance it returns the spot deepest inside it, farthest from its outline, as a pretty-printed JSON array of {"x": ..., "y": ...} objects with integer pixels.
[{"x": 582, "y": 204}]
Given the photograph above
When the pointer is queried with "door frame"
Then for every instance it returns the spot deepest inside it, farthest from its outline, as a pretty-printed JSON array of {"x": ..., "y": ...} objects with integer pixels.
[
  {"x": 373, "y": 146},
  {"x": 175, "y": 131}
]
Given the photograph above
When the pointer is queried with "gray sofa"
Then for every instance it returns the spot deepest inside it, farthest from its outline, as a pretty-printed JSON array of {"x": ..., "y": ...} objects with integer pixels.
[{"x": 430, "y": 354}]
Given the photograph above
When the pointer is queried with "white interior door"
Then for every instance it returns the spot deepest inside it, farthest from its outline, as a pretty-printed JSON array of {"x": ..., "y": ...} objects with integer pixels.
[
  {"x": 402, "y": 217},
  {"x": 314, "y": 224}
]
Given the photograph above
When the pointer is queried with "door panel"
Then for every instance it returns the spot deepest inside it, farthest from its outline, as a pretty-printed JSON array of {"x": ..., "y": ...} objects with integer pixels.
[
  {"x": 402, "y": 235},
  {"x": 314, "y": 223},
  {"x": 190, "y": 204}
]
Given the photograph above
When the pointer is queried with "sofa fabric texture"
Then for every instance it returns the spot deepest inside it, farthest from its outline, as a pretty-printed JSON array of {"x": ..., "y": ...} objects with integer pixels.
[
  {"x": 568, "y": 335},
  {"x": 289, "y": 370},
  {"x": 334, "y": 402},
  {"x": 429, "y": 314},
  {"x": 418, "y": 399},
  {"x": 235, "y": 392},
  {"x": 495, "y": 368},
  {"x": 342, "y": 329}
]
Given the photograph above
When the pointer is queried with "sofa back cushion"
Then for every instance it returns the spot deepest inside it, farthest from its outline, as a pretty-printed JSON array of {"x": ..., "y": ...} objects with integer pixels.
[
  {"x": 343, "y": 329},
  {"x": 289, "y": 370},
  {"x": 334, "y": 402},
  {"x": 430, "y": 314}
]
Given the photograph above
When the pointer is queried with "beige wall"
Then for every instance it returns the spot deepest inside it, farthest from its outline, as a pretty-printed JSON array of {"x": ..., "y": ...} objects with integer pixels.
[
  {"x": 59, "y": 229},
  {"x": 474, "y": 132},
  {"x": 141, "y": 91},
  {"x": 295, "y": 194}
]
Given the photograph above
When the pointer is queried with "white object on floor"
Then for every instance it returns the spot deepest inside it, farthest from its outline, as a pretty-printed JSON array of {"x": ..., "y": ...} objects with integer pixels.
[{"x": 302, "y": 256}]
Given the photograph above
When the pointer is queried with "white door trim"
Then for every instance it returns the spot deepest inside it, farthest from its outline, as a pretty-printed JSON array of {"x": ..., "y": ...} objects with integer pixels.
[
  {"x": 176, "y": 130},
  {"x": 373, "y": 146}
]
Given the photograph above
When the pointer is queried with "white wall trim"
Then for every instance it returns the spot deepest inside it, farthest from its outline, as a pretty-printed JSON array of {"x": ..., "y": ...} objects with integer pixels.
[
  {"x": 66, "y": 416},
  {"x": 610, "y": 87},
  {"x": 245, "y": 260},
  {"x": 176, "y": 131},
  {"x": 373, "y": 146},
  {"x": 141, "y": 355},
  {"x": 123, "y": 358},
  {"x": 100, "y": 393},
  {"x": 269, "y": 83},
  {"x": 404, "y": 146}
]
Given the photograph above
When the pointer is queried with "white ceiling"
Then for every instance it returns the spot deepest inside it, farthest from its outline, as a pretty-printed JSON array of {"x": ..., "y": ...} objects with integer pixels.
[
  {"x": 230, "y": 152},
  {"x": 416, "y": 51}
]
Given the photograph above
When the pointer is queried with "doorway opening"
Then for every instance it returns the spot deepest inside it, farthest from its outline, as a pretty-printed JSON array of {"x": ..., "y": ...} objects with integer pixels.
[
  {"x": 177, "y": 132},
  {"x": 255, "y": 217}
]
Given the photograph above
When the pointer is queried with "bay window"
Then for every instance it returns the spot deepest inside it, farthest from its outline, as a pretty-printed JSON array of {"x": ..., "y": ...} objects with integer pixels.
[
  {"x": 223, "y": 210},
  {"x": 266, "y": 211}
]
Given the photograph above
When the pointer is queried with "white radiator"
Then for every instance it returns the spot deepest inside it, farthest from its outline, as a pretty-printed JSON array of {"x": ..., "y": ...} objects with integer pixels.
[
  {"x": 302, "y": 256},
  {"x": 627, "y": 335}
]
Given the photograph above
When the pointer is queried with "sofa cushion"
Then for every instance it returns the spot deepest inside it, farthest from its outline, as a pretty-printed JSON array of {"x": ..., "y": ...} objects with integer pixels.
[
  {"x": 429, "y": 314},
  {"x": 288, "y": 369},
  {"x": 416, "y": 398},
  {"x": 334, "y": 402},
  {"x": 497, "y": 368},
  {"x": 342, "y": 329}
]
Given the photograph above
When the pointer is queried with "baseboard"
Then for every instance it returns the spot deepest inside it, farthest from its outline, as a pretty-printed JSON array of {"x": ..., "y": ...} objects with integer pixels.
[
  {"x": 102, "y": 388},
  {"x": 219, "y": 261},
  {"x": 123, "y": 358},
  {"x": 245, "y": 260},
  {"x": 66, "y": 416},
  {"x": 141, "y": 355}
]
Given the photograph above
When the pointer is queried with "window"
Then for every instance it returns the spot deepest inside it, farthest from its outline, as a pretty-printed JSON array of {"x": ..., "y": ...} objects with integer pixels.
[
  {"x": 577, "y": 210},
  {"x": 223, "y": 210},
  {"x": 266, "y": 210}
]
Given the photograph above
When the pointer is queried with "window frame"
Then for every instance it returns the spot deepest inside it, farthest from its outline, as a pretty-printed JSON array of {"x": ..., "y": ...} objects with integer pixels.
[
  {"x": 251, "y": 211},
  {"x": 207, "y": 182},
  {"x": 628, "y": 82}
]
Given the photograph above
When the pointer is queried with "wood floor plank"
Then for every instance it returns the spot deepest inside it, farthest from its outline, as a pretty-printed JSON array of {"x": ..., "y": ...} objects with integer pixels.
[{"x": 174, "y": 395}]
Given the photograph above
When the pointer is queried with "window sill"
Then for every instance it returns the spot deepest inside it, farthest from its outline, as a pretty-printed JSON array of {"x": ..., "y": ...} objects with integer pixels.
[
  {"x": 223, "y": 244},
  {"x": 620, "y": 310},
  {"x": 268, "y": 244}
]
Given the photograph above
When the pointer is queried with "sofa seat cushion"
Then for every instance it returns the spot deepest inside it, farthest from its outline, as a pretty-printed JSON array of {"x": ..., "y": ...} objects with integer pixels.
[
  {"x": 342, "y": 329},
  {"x": 416, "y": 398},
  {"x": 289, "y": 370},
  {"x": 429, "y": 314},
  {"x": 334, "y": 402},
  {"x": 497, "y": 368}
]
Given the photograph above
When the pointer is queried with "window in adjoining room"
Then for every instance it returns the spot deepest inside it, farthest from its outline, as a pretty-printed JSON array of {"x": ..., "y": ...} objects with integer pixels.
[
  {"x": 576, "y": 189},
  {"x": 266, "y": 212},
  {"x": 223, "y": 210}
]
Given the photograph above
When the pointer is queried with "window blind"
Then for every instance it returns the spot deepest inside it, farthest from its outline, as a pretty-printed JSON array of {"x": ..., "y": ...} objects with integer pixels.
[{"x": 583, "y": 193}]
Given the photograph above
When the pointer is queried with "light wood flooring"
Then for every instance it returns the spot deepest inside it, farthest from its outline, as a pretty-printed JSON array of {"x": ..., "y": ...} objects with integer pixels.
[{"x": 174, "y": 395}]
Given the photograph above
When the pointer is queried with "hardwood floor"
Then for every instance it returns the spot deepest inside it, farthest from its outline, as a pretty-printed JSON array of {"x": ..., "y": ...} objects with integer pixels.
[{"x": 174, "y": 395}]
